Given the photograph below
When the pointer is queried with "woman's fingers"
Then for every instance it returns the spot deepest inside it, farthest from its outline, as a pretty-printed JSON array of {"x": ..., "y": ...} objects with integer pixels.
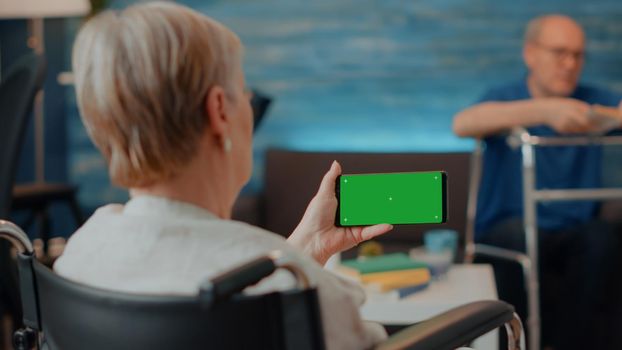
[
  {"x": 370, "y": 232},
  {"x": 327, "y": 187}
]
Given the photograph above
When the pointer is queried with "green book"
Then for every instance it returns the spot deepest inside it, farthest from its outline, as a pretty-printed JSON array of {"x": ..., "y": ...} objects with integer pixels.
[{"x": 383, "y": 263}]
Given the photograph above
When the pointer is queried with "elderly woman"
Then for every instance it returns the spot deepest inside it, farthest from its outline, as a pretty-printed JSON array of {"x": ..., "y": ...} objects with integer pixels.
[{"x": 161, "y": 92}]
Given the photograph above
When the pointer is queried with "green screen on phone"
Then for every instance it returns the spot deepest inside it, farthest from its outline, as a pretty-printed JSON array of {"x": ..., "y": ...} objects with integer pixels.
[{"x": 392, "y": 198}]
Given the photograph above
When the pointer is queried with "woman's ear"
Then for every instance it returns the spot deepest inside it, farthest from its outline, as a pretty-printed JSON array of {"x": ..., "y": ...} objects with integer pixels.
[{"x": 216, "y": 111}]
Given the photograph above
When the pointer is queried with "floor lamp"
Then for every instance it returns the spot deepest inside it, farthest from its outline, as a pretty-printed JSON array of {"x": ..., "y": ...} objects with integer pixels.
[{"x": 35, "y": 11}]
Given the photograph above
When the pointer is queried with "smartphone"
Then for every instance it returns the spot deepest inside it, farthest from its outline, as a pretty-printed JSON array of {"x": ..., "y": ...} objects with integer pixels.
[{"x": 391, "y": 198}]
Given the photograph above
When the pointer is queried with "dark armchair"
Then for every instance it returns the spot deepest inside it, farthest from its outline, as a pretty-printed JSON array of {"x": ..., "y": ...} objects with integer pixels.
[
  {"x": 18, "y": 88},
  {"x": 61, "y": 314}
]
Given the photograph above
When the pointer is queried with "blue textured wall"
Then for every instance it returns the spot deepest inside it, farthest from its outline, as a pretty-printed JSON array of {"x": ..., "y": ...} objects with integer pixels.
[{"x": 379, "y": 75}]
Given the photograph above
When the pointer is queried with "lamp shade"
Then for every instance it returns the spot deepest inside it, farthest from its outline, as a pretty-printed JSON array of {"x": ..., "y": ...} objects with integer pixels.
[{"x": 43, "y": 8}]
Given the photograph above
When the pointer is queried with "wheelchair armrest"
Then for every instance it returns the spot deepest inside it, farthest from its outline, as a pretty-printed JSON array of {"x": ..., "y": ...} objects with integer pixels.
[
  {"x": 452, "y": 329},
  {"x": 236, "y": 280}
]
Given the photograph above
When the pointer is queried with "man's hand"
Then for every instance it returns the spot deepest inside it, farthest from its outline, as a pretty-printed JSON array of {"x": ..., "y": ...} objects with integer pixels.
[
  {"x": 566, "y": 115},
  {"x": 317, "y": 234}
]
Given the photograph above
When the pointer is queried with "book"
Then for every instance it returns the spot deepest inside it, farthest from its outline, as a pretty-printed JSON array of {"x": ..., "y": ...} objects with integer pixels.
[
  {"x": 395, "y": 294},
  {"x": 413, "y": 275},
  {"x": 382, "y": 263},
  {"x": 396, "y": 281},
  {"x": 410, "y": 290},
  {"x": 386, "y": 272}
]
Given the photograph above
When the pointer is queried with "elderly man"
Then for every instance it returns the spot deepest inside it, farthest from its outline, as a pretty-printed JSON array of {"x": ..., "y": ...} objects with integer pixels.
[{"x": 576, "y": 250}]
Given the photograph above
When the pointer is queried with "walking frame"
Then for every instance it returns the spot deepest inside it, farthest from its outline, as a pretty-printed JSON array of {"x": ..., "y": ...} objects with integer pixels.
[{"x": 520, "y": 137}]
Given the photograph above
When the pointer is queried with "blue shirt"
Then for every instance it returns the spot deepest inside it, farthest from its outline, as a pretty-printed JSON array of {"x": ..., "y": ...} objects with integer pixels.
[{"x": 501, "y": 193}]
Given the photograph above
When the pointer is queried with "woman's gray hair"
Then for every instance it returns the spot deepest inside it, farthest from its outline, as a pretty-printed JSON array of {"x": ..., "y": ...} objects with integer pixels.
[{"x": 142, "y": 76}]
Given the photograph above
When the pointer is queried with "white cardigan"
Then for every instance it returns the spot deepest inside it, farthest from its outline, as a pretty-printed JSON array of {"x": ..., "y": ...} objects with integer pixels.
[{"x": 159, "y": 246}]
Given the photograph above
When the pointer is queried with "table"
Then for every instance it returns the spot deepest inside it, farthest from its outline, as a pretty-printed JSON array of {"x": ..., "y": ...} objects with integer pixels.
[{"x": 463, "y": 284}]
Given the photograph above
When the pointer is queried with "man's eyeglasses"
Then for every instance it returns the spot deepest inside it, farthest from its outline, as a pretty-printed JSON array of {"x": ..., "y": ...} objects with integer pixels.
[{"x": 561, "y": 53}]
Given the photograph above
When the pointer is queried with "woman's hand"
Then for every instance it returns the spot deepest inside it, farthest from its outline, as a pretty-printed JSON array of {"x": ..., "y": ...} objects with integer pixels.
[{"x": 317, "y": 234}]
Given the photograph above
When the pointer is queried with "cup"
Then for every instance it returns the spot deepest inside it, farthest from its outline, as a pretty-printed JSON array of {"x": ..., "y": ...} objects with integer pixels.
[
  {"x": 440, "y": 241},
  {"x": 439, "y": 251},
  {"x": 439, "y": 263}
]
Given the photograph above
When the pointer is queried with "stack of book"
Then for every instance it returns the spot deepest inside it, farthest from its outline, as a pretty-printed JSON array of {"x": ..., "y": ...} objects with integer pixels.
[{"x": 388, "y": 273}]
